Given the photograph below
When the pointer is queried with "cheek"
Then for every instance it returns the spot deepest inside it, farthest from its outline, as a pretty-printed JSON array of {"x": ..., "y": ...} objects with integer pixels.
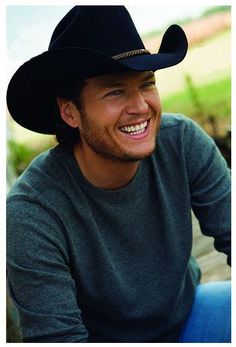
[
  {"x": 109, "y": 115},
  {"x": 154, "y": 103},
  {"x": 156, "y": 97},
  {"x": 99, "y": 118}
]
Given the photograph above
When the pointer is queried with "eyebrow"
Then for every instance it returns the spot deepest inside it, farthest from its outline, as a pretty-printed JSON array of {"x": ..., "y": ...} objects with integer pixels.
[
  {"x": 116, "y": 83},
  {"x": 150, "y": 74}
]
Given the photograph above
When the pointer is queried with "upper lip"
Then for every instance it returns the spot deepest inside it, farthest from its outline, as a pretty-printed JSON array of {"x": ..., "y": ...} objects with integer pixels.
[{"x": 135, "y": 122}]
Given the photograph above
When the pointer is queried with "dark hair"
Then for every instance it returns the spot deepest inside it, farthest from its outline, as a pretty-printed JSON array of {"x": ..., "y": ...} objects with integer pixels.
[{"x": 65, "y": 134}]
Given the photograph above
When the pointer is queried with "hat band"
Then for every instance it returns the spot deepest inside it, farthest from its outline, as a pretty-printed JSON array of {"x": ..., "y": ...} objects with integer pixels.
[{"x": 131, "y": 54}]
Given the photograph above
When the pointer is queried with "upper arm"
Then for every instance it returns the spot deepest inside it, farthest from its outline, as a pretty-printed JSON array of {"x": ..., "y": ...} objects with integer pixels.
[
  {"x": 210, "y": 187},
  {"x": 39, "y": 277}
]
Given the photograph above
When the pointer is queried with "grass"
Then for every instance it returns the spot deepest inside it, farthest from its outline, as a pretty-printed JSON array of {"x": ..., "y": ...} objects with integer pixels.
[{"x": 199, "y": 102}]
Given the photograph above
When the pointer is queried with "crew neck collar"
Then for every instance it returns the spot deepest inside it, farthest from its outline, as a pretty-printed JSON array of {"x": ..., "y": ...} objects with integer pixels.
[{"x": 67, "y": 155}]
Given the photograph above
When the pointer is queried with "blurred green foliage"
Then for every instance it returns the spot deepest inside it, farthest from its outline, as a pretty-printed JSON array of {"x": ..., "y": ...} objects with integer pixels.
[
  {"x": 21, "y": 154},
  {"x": 200, "y": 102},
  {"x": 216, "y": 9}
]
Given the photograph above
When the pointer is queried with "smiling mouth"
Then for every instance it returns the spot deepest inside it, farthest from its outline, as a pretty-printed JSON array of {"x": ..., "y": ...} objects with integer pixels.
[{"x": 134, "y": 129}]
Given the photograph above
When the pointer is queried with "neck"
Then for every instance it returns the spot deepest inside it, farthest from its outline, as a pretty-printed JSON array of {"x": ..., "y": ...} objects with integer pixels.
[{"x": 104, "y": 172}]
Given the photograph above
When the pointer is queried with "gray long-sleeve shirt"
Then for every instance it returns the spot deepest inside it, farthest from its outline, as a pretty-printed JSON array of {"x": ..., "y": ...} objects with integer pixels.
[{"x": 90, "y": 264}]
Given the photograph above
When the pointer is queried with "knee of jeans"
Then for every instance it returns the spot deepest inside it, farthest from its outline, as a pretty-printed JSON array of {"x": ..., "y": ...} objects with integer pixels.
[{"x": 210, "y": 317}]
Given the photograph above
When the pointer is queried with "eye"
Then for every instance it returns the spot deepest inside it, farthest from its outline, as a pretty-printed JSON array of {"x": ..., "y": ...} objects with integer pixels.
[
  {"x": 114, "y": 92},
  {"x": 149, "y": 84}
]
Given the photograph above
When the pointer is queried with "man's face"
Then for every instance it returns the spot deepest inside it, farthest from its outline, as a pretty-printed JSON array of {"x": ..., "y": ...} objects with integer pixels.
[{"x": 120, "y": 115}]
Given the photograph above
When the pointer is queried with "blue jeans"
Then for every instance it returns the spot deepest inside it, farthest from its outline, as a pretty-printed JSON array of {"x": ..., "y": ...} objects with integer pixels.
[{"x": 210, "y": 317}]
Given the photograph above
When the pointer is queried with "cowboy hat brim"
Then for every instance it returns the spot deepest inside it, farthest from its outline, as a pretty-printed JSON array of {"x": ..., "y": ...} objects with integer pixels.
[{"x": 32, "y": 91}]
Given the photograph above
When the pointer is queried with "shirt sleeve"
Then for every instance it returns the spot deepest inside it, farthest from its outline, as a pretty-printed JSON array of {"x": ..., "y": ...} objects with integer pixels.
[
  {"x": 210, "y": 187},
  {"x": 39, "y": 278}
]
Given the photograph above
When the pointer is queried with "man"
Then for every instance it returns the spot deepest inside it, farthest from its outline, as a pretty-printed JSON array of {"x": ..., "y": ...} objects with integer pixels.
[{"x": 99, "y": 227}]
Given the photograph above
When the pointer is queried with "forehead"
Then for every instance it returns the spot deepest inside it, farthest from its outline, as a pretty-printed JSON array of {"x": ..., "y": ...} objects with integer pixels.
[{"x": 117, "y": 79}]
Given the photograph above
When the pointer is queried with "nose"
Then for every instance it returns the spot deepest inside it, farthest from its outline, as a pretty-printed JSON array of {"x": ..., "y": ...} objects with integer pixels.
[{"x": 136, "y": 104}]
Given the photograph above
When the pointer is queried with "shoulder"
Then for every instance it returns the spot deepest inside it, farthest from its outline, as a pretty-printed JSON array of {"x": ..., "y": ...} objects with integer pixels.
[
  {"x": 174, "y": 121},
  {"x": 182, "y": 128},
  {"x": 42, "y": 175},
  {"x": 182, "y": 138}
]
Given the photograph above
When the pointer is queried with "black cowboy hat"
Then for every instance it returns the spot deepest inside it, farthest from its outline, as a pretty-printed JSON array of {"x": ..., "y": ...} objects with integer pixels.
[{"x": 89, "y": 41}]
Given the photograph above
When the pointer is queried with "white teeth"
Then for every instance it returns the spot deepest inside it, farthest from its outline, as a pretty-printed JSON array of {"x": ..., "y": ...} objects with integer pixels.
[{"x": 135, "y": 129}]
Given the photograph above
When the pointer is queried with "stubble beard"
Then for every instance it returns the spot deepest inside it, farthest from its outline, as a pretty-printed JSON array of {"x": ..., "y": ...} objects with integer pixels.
[{"x": 104, "y": 145}]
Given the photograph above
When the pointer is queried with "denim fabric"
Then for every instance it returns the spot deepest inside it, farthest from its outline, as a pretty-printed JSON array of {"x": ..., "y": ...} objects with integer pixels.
[{"x": 210, "y": 317}]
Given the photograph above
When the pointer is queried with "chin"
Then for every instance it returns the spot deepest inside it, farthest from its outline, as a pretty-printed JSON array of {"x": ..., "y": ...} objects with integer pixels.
[{"x": 132, "y": 157}]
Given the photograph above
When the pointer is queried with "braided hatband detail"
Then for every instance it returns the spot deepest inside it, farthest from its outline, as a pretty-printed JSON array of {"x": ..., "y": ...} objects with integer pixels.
[{"x": 131, "y": 54}]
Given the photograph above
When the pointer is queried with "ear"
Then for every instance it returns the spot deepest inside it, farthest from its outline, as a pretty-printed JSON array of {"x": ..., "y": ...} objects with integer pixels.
[{"x": 69, "y": 113}]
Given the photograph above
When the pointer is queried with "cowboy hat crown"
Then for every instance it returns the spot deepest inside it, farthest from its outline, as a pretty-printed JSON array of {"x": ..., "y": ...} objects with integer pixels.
[
  {"x": 106, "y": 29},
  {"x": 89, "y": 41}
]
